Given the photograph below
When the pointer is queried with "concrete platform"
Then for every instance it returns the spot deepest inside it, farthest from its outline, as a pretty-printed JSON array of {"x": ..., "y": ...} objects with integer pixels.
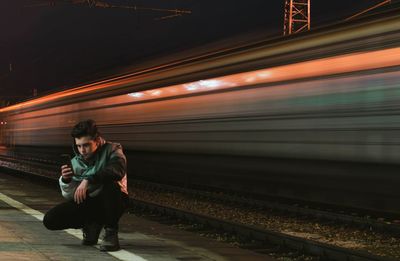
[{"x": 23, "y": 236}]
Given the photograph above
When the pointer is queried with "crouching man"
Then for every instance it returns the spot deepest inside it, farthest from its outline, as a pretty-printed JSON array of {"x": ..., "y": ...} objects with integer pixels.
[{"x": 95, "y": 188}]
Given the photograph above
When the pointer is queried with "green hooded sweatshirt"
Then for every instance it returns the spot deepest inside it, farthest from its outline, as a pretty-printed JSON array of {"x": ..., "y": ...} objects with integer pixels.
[
  {"x": 107, "y": 153},
  {"x": 84, "y": 169}
]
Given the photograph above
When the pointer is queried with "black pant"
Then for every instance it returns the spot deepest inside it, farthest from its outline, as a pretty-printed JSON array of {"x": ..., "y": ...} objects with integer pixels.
[{"x": 106, "y": 209}]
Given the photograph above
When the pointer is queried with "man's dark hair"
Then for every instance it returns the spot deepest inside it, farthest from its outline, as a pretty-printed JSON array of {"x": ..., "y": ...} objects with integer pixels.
[{"x": 85, "y": 128}]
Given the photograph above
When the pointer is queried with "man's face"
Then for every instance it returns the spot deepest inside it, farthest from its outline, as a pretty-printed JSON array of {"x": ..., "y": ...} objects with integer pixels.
[{"x": 86, "y": 146}]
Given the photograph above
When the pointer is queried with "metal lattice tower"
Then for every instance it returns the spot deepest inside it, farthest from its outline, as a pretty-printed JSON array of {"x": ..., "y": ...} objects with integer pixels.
[{"x": 297, "y": 16}]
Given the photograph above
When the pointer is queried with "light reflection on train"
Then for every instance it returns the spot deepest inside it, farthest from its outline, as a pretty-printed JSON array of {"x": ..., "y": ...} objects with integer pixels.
[{"x": 343, "y": 108}]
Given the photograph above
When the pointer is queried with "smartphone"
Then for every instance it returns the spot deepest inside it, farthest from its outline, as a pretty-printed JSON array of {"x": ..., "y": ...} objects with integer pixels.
[{"x": 66, "y": 160}]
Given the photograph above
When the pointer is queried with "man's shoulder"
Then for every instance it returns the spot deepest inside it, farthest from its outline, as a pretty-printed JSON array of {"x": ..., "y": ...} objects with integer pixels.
[
  {"x": 114, "y": 149},
  {"x": 113, "y": 145}
]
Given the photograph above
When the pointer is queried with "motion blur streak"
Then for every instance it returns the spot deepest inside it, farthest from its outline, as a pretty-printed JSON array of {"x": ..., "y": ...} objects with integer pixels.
[
  {"x": 316, "y": 68},
  {"x": 320, "y": 67}
]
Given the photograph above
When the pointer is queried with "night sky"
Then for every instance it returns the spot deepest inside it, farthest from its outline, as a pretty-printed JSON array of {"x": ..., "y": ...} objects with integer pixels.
[{"x": 62, "y": 45}]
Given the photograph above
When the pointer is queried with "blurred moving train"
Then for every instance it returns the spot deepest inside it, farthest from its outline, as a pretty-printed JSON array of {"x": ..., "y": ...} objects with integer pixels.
[{"x": 311, "y": 117}]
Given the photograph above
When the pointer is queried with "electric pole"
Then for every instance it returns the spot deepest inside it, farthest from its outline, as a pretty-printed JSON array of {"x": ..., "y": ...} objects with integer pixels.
[{"x": 297, "y": 16}]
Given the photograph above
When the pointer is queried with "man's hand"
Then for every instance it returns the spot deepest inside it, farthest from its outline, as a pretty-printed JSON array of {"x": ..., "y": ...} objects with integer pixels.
[
  {"x": 80, "y": 192},
  {"x": 66, "y": 173}
]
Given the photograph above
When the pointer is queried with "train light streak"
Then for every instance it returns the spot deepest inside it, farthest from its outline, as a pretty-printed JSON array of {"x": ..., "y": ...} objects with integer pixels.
[
  {"x": 191, "y": 87},
  {"x": 315, "y": 68},
  {"x": 320, "y": 67},
  {"x": 155, "y": 92},
  {"x": 250, "y": 79},
  {"x": 204, "y": 85},
  {"x": 136, "y": 94}
]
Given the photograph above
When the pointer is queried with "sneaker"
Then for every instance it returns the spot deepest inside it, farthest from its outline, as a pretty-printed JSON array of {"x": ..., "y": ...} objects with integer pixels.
[
  {"x": 91, "y": 234},
  {"x": 110, "y": 241}
]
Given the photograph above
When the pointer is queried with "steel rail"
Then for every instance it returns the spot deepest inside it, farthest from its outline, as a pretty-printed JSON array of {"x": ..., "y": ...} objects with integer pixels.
[{"x": 296, "y": 243}]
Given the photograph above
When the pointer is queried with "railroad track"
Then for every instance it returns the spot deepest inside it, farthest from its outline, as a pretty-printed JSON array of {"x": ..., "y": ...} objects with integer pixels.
[
  {"x": 363, "y": 222},
  {"x": 324, "y": 251},
  {"x": 302, "y": 245}
]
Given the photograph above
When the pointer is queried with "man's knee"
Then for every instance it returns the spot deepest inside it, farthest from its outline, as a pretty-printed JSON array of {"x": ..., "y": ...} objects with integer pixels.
[
  {"x": 111, "y": 187},
  {"x": 49, "y": 221}
]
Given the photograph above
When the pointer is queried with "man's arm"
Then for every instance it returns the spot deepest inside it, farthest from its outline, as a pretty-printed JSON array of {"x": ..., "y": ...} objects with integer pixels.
[
  {"x": 67, "y": 189},
  {"x": 115, "y": 168}
]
